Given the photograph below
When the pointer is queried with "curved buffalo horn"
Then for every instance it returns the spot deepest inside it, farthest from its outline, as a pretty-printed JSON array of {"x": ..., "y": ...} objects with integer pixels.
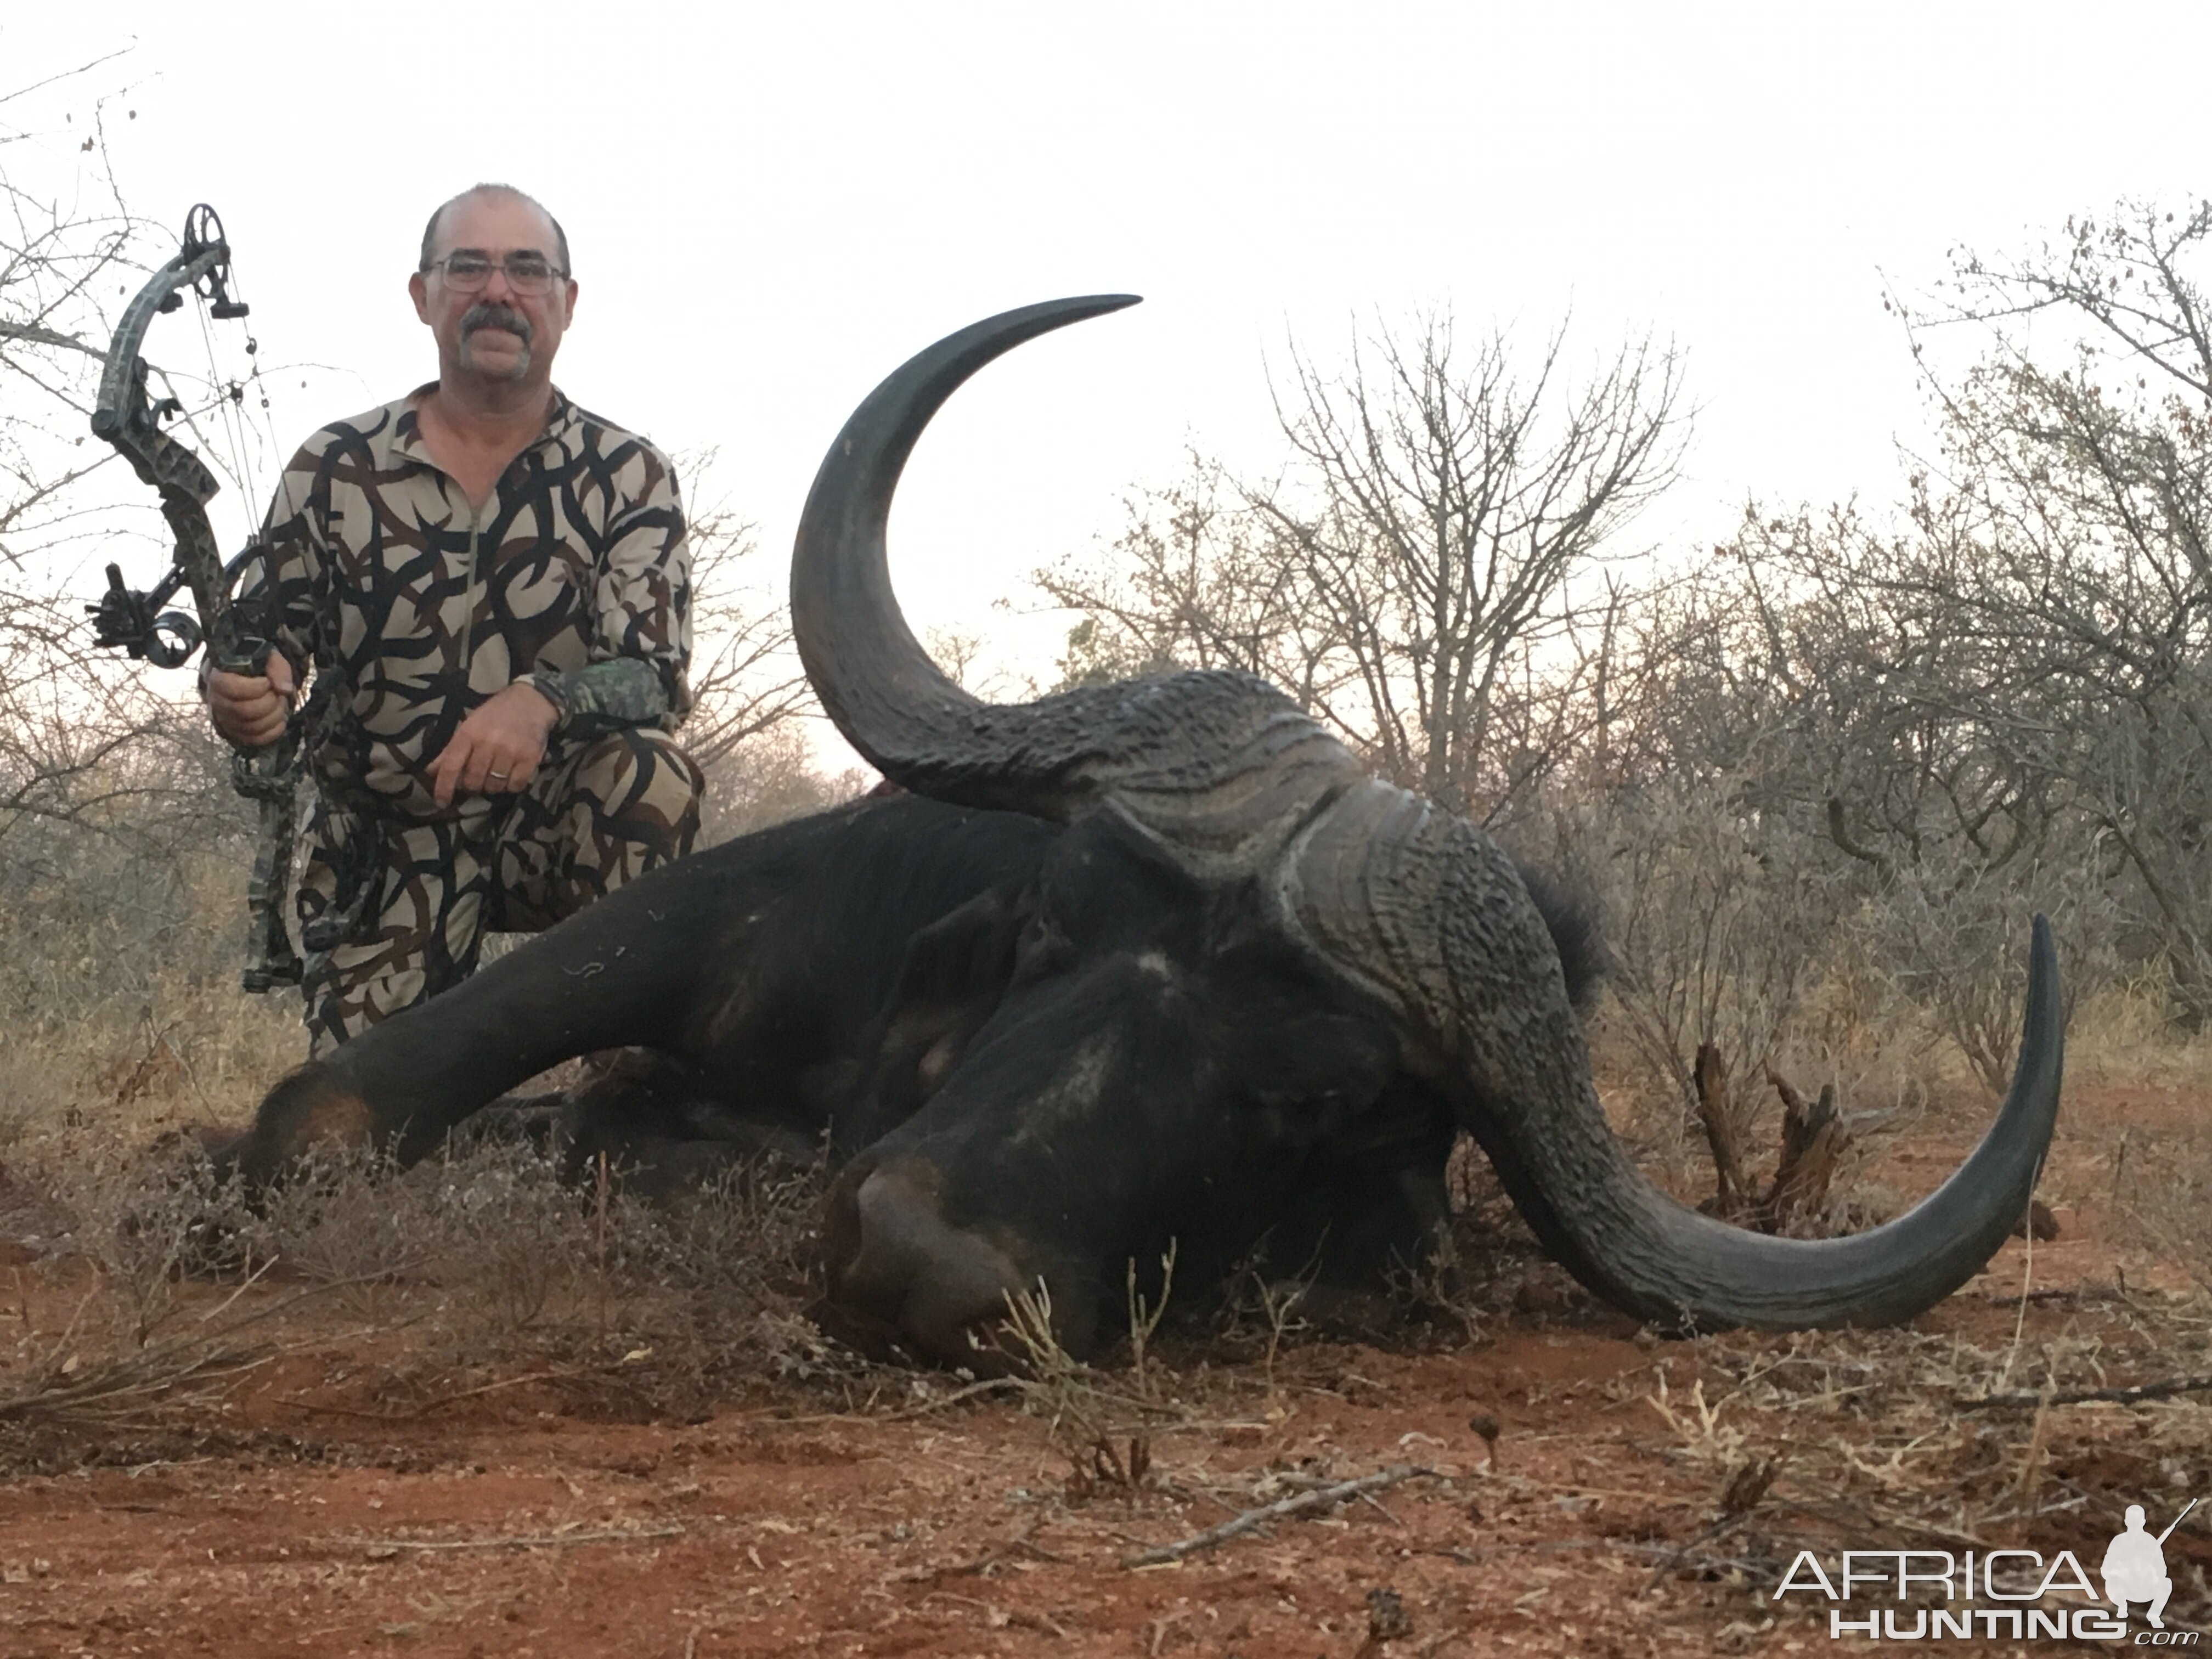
[
  {"x": 1404, "y": 902},
  {"x": 1424, "y": 905},
  {"x": 1209, "y": 760}
]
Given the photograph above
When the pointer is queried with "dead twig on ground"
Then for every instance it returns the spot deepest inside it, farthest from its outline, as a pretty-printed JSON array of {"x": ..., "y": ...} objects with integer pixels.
[
  {"x": 1103, "y": 1428},
  {"x": 62, "y": 1389},
  {"x": 383, "y": 1548},
  {"x": 904, "y": 1414},
  {"x": 1682, "y": 1553},
  {"x": 117, "y": 1391},
  {"x": 2164, "y": 1389},
  {"x": 988, "y": 1385},
  {"x": 1307, "y": 1502},
  {"x": 1021, "y": 1543},
  {"x": 1672, "y": 1555},
  {"x": 300, "y": 1402}
]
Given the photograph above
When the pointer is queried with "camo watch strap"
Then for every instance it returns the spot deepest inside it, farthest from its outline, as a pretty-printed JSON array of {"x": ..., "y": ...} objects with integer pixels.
[{"x": 604, "y": 696}]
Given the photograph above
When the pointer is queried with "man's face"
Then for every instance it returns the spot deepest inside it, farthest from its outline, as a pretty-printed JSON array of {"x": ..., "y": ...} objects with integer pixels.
[{"x": 494, "y": 333}]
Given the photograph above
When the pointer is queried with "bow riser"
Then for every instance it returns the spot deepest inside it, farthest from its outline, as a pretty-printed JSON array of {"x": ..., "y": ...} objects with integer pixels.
[
  {"x": 126, "y": 419},
  {"x": 129, "y": 420}
]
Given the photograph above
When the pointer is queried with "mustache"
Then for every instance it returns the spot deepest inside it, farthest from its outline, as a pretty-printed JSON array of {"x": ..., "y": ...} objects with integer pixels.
[{"x": 489, "y": 313}]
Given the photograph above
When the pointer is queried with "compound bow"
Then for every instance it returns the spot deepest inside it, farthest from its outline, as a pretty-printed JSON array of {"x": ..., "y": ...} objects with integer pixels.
[{"x": 134, "y": 620}]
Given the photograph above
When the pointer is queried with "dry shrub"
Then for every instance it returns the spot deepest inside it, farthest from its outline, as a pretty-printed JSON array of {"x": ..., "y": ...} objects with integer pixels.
[
  {"x": 1866, "y": 1439},
  {"x": 491, "y": 1229},
  {"x": 772, "y": 777},
  {"x": 123, "y": 986},
  {"x": 639, "y": 1310},
  {"x": 2123, "y": 1029},
  {"x": 2157, "y": 1175},
  {"x": 480, "y": 1258},
  {"x": 1746, "y": 930},
  {"x": 1721, "y": 926},
  {"x": 120, "y": 1230},
  {"x": 145, "y": 1218},
  {"x": 345, "y": 1219},
  {"x": 521, "y": 1241},
  {"x": 739, "y": 1237},
  {"x": 1102, "y": 1425},
  {"x": 715, "y": 1281},
  {"x": 1954, "y": 943},
  {"x": 1262, "y": 1306},
  {"x": 511, "y": 1252},
  {"x": 2163, "y": 1188}
]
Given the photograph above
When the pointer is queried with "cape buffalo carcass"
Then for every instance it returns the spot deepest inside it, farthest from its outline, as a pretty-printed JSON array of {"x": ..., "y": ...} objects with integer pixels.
[
  {"x": 826, "y": 976},
  {"x": 1234, "y": 948}
]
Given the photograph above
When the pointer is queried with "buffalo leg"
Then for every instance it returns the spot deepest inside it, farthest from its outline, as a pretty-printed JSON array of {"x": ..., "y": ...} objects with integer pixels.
[{"x": 622, "y": 972}]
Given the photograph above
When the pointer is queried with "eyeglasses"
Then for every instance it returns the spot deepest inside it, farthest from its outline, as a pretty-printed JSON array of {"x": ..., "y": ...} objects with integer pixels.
[{"x": 530, "y": 274}]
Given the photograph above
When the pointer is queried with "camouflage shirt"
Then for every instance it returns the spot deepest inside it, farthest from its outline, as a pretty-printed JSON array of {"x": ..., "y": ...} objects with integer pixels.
[{"x": 413, "y": 607}]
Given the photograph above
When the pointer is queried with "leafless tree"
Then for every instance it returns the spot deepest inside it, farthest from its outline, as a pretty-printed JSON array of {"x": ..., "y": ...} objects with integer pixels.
[
  {"x": 1437, "y": 504},
  {"x": 115, "y": 809},
  {"x": 64, "y": 243},
  {"x": 2066, "y": 525},
  {"x": 82, "y": 743},
  {"x": 1196, "y": 579},
  {"x": 746, "y": 674},
  {"x": 1720, "y": 922},
  {"x": 1823, "y": 695},
  {"x": 1406, "y": 573}
]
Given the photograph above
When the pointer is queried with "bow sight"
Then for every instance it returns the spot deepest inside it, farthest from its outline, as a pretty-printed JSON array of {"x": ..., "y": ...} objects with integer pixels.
[
  {"x": 134, "y": 620},
  {"x": 127, "y": 618}
]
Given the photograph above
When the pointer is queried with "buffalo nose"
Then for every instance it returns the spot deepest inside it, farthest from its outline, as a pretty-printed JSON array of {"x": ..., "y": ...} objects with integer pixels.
[{"x": 898, "y": 1269}]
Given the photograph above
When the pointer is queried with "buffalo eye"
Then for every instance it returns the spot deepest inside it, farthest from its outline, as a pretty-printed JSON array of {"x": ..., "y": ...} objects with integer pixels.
[{"x": 1044, "y": 948}]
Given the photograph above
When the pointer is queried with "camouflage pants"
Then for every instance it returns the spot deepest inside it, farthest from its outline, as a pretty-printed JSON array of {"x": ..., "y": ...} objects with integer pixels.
[{"x": 604, "y": 811}]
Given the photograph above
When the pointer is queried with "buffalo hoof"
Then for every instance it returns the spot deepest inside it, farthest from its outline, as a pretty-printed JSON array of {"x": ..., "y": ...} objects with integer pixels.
[{"x": 217, "y": 1145}]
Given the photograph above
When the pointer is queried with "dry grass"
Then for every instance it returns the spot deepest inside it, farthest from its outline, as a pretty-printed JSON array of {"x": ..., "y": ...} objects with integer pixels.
[
  {"x": 473, "y": 1276},
  {"x": 126, "y": 942},
  {"x": 430, "y": 1279},
  {"x": 1879, "y": 1439},
  {"x": 127, "y": 1025},
  {"x": 451, "y": 1286},
  {"x": 1102, "y": 1422}
]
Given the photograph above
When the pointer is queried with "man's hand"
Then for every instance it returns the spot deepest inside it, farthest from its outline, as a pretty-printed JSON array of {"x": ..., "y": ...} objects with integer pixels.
[
  {"x": 250, "y": 710},
  {"x": 498, "y": 747}
]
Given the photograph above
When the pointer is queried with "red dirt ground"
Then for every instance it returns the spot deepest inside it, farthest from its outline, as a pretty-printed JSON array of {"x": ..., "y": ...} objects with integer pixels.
[{"x": 316, "y": 1513}]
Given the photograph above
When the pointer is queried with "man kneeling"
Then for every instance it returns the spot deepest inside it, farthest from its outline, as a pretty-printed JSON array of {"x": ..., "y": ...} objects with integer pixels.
[{"x": 491, "y": 586}]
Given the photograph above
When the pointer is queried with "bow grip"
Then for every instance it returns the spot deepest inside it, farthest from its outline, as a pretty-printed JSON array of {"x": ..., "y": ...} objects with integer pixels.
[{"x": 245, "y": 654}]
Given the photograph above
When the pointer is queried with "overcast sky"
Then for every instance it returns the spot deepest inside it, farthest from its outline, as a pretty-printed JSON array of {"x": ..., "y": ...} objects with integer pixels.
[{"x": 770, "y": 207}]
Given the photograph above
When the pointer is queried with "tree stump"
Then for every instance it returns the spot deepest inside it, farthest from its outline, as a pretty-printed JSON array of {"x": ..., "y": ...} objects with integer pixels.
[
  {"x": 1711, "y": 1076},
  {"x": 1813, "y": 1140}
]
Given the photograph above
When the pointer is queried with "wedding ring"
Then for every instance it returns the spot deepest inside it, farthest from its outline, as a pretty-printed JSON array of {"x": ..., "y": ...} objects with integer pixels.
[{"x": 501, "y": 777}]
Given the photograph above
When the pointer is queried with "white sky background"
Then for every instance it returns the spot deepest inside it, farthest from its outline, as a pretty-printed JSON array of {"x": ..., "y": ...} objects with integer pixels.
[{"x": 772, "y": 206}]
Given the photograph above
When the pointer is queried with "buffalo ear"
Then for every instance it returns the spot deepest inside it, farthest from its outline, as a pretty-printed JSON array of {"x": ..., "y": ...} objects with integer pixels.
[
  {"x": 966, "y": 954},
  {"x": 1572, "y": 924},
  {"x": 951, "y": 980}
]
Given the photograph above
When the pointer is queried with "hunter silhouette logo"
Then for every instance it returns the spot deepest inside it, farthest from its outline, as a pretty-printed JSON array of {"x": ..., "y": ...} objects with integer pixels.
[
  {"x": 2134, "y": 1566},
  {"x": 1923, "y": 1595}
]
